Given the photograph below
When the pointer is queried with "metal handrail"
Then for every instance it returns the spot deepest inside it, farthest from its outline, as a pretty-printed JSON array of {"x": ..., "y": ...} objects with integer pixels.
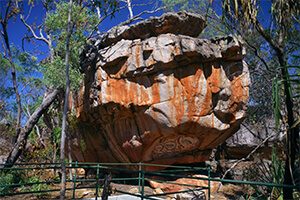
[{"x": 141, "y": 176}]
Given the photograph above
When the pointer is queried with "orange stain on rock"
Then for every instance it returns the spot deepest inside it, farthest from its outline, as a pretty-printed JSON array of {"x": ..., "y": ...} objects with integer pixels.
[
  {"x": 237, "y": 91},
  {"x": 132, "y": 93},
  {"x": 194, "y": 87},
  {"x": 155, "y": 93},
  {"x": 178, "y": 100},
  {"x": 214, "y": 79},
  {"x": 207, "y": 103},
  {"x": 188, "y": 91},
  {"x": 144, "y": 95}
]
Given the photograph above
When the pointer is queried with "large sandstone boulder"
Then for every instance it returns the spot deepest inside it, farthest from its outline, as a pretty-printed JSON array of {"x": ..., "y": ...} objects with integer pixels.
[{"x": 161, "y": 96}]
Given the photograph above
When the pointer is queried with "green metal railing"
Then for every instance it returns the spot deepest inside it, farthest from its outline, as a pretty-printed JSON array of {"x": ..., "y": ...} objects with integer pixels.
[{"x": 137, "y": 173}]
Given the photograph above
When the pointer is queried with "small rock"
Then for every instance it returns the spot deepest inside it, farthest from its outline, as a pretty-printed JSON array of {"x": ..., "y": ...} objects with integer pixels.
[
  {"x": 157, "y": 191},
  {"x": 134, "y": 190}
]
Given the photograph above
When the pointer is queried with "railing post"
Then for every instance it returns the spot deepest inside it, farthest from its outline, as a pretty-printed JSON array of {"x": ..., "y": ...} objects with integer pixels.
[
  {"x": 140, "y": 169},
  {"x": 97, "y": 182},
  {"x": 74, "y": 180},
  {"x": 208, "y": 182},
  {"x": 143, "y": 183}
]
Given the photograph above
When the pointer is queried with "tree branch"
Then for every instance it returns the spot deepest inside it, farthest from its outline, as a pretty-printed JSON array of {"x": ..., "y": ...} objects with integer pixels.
[
  {"x": 134, "y": 18},
  {"x": 267, "y": 37},
  {"x": 247, "y": 42},
  {"x": 41, "y": 37},
  {"x": 137, "y": 17},
  {"x": 22, "y": 137},
  {"x": 248, "y": 156},
  {"x": 102, "y": 19},
  {"x": 35, "y": 126},
  {"x": 129, "y": 7}
]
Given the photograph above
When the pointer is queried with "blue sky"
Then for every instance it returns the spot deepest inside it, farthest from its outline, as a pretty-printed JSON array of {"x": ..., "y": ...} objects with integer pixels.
[{"x": 17, "y": 30}]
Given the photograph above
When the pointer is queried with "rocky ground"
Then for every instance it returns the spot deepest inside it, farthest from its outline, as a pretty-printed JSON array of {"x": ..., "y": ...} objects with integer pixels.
[{"x": 228, "y": 191}]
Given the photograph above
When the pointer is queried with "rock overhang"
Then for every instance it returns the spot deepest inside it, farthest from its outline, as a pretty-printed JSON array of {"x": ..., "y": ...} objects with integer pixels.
[
  {"x": 166, "y": 51},
  {"x": 184, "y": 23},
  {"x": 166, "y": 97}
]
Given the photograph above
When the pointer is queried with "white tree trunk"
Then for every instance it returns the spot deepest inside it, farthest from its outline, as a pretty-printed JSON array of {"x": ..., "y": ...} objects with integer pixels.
[
  {"x": 65, "y": 111},
  {"x": 129, "y": 8}
]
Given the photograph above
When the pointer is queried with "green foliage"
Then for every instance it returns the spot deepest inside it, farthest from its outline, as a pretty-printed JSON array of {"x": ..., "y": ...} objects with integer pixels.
[
  {"x": 54, "y": 73},
  {"x": 72, "y": 121},
  {"x": 198, "y": 6},
  {"x": 36, "y": 186},
  {"x": 82, "y": 145},
  {"x": 56, "y": 134},
  {"x": 174, "y": 5},
  {"x": 29, "y": 83},
  {"x": 8, "y": 178},
  {"x": 276, "y": 100},
  {"x": 4, "y": 64},
  {"x": 277, "y": 174},
  {"x": 293, "y": 79},
  {"x": 214, "y": 26},
  {"x": 83, "y": 22},
  {"x": 104, "y": 5}
]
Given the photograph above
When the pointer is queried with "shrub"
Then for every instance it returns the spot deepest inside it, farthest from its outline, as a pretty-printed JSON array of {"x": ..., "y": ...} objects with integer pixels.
[
  {"x": 36, "y": 185},
  {"x": 268, "y": 172},
  {"x": 7, "y": 179}
]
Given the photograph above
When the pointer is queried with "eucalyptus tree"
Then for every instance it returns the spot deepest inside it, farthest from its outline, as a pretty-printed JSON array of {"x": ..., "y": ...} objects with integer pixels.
[
  {"x": 67, "y": 93},
  {"x": 66, "y": 28},
  {"x": 11, "y": 10}
]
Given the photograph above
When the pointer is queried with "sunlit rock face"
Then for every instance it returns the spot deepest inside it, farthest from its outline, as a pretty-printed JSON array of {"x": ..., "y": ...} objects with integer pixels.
[{"x": 160, "y": 95}]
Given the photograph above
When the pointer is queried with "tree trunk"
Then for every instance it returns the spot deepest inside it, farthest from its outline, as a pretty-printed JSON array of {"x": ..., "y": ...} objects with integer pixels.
[
  {"x": 293, "y": 133},
  {"x": 65, "y": 111},
  {"x": 129, "y": 8},
  {"x": 70, "y": 157},
  {"x": 24, "y": 133},
  {"x": 106, "y": 187},
  {"x": 38, "y": 132},
  {"x": 14, "y": 76}
]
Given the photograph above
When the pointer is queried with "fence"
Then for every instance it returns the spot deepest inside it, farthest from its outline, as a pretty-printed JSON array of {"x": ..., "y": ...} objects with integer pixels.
[{"x": 135, "y": 173}]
